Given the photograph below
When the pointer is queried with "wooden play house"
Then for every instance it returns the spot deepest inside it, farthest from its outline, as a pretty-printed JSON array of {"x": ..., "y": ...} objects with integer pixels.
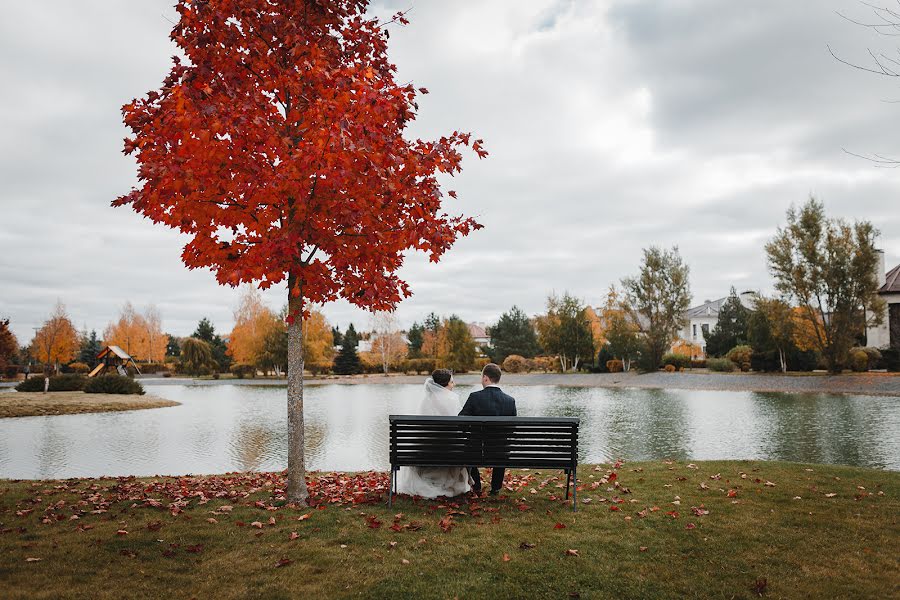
[{"x": 113, "y": 357}]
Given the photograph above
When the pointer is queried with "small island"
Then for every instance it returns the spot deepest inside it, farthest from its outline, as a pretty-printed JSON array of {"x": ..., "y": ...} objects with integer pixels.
[{"x": 39, "y": 404}]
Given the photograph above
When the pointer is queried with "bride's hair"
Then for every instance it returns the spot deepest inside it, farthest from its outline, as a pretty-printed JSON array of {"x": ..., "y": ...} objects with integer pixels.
[{"x": 442, "y": 377}]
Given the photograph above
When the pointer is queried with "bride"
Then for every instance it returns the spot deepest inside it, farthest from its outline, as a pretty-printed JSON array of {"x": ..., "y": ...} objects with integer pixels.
[{"x": 431, "y": 482}]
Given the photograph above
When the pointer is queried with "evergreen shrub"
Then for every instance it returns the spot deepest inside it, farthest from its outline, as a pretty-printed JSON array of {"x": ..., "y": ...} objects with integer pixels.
[
  {"x": 722, "y": 365},
  {"x": 113, "y": 384},
  {"x": 677, "y": 360},
  {"x": 859, "y": 360}
]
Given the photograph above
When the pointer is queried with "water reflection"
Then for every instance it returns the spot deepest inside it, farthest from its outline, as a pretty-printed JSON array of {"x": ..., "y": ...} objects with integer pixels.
[{"x": 228, "y": 427}]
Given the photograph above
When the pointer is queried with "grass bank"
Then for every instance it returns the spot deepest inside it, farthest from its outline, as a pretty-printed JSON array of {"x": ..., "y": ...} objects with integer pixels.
[
  {"x": 655, "y": 530},
  {"x": 21, "y": 404}
]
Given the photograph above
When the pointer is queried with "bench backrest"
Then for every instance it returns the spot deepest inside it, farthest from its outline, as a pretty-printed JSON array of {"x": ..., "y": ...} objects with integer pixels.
[{"x": 526, "y": 442}]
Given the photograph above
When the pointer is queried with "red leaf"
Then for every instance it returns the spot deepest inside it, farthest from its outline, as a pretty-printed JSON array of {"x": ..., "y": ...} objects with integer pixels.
[
  {"x": 506, "y": 557},
  {"x": 559, "y": 526},
  {"x": 283, "y": 562},
  {"x": 294, "y": 535},
  {"x": 446, "y": 524}
]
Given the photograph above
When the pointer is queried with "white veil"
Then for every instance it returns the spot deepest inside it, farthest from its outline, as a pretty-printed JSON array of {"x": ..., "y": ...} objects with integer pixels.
[{"x": 439, "y": 401}]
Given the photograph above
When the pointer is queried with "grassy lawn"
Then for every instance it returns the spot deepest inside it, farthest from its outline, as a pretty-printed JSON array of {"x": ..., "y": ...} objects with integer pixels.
[
  {"x": 737, "y": 529},
  {"x": 30, "y": 404}
]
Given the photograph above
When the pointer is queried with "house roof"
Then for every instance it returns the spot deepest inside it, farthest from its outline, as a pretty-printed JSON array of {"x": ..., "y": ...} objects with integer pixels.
[
  {"x": 710, "y": 308},
  {"x": 477, "y": 331},
  {"x": 891, "y": 282}
]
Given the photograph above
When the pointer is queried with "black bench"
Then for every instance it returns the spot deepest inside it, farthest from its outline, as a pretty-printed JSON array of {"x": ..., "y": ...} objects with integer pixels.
[{"x": 511, "y": 442}]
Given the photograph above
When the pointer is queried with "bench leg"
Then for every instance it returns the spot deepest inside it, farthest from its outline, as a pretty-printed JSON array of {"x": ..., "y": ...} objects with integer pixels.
[
  {"x": 391, "y": 492},
  {"x": 568, "y": 478},
  {"x": 574, "y": 490}
]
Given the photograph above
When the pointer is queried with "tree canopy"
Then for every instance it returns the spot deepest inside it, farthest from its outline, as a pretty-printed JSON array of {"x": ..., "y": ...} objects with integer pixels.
[
  {"x": 657, "y": 299},
  {"x": 513, "y": 333},
  {"x": 828, "y": 267},
  {"x": 731, "y": 327},
  {"x": 566, "y": 330}
]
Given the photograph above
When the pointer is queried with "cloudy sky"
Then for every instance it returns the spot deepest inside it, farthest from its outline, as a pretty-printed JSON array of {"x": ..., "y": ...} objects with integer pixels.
[{"x": 612, "y": 125}]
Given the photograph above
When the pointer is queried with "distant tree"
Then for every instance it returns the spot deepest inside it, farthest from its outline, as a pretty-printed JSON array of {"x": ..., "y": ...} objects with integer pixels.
[
  {"x": 351, "y": 337},
  {"x": 196, "y": 357},
  {"x": 207, "y": 332},
  {"x": 129, "y": 333},
  {"x": 460, "y": 346},
  {"x": 772, "y": 327},
  {"x": 387, "y": 343},
  {"x": 157, "y": 341},
  {"x": 173, "y": 346},
  {"x": 253, "y": 321},
  {"x": 731, "y": 327},
  {"x": 513, "y": 333},
  {"x": 318, "y": 339},
  {"x": 90, "y": 347},
  {"x": 347, "y": 360},
  {"x": 829, "y": 267},
  {"x": 272, "y": 351},
  {"x": 336, "y": 335},
  {"x": 9, "y": 345},
  {"x": 566, "y": 331},
  {"x": 623, "y": 338},
  {"x": 415, "y": 335},
  {"x": 57, "y": 341},
  {"x": 657, "y": 299}
]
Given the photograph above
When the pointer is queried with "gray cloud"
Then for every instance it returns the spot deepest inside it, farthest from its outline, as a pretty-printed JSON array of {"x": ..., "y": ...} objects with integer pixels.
[{"x": 611, "y": 126}]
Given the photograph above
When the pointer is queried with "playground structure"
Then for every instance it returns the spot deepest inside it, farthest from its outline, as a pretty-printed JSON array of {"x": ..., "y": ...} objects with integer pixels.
[{"x": 115, "y": 358}]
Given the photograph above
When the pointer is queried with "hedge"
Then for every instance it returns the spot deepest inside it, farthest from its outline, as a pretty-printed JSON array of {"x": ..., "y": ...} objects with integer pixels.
[
  {"x": 58, "y": 383},
  {"x": 113, "y": 384}
]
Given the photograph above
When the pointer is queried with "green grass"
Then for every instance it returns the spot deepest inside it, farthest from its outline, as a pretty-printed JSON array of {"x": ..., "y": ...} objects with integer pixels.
[{"x": 763, "y": 541}]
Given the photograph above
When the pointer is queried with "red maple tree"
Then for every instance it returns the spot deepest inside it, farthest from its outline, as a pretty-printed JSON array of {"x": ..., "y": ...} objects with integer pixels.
[{"x": 277, "y": 145}]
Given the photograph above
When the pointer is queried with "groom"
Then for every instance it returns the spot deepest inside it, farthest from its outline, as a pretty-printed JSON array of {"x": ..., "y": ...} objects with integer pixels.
[{"x": 489, "y": 402}]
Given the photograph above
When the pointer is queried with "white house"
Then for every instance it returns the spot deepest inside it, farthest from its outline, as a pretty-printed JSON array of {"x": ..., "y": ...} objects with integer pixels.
[
  {"x": 888, "y": 333},
  {"x": 702, "y": 319}
]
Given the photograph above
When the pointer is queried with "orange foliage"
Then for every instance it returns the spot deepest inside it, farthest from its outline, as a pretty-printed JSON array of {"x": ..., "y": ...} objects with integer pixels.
[
  {"x": 57, "y": 341},
  {"x": 805, "y": 337},
  {"x": 318, "y": 341},
  {"x": 138, "y": 335},
  {"x": 253, "y": 321},
  {"x": 687, "y": 348}
]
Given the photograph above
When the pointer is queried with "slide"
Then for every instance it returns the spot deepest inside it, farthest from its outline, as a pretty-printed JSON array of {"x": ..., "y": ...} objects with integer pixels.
[{"x": 96, "y": 370}]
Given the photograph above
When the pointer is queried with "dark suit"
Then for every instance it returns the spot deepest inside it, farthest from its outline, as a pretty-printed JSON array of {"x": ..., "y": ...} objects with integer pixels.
[{"x": 489, "y": 402}]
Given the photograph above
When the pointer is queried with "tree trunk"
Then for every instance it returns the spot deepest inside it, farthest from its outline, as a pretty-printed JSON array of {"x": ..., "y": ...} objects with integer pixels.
[
  {"x": 296, "y": 486},
  {"x": 783, "y": 361}
]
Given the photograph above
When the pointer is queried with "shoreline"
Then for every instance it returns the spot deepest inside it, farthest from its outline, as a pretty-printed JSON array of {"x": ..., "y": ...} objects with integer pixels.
[{"x": 867, "y": 384}]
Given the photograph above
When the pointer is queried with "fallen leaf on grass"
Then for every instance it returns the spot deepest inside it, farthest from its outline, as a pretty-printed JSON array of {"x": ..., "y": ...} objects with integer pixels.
[
  {"x": 283, "y": 562},
  {"x": 33, "y": 559},
  {"x": 559, "y": 526},
  {"x": 526, "y": 546},
  {"x": 613, "y": 508},
  {"x": 642, "y": 548},
  {"x": 830, "y": 495},
  {"x": 154, "y": 525},
  {"x": 506, "y": 557},
  {"x": 256, "y": 524},
  {"x": 195, "y": 549},
  {"x": 769, "y": 484},
  {"x": 121, "y": 532},
  {"x": 404, "y": 562},
  {"x": 272, "y": 520},
  {"x": 373, "y": 522},
  {"x": 731, "y": 493},
  {"x": 571, "y": 552},
  {"x": 294, "y": 535},
  {"x": 211, "y": 520},
  {"x": 304, "y": 517},
  {"x": 690, "y": 526}
]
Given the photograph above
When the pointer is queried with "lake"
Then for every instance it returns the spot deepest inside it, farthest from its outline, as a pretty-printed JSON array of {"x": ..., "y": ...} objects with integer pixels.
[{"x": 220, "y": 428}]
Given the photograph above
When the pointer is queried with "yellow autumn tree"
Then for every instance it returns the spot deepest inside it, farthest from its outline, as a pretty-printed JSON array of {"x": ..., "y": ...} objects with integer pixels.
[
  {"x": 56, "y": 342},
  {"x": 253, "y": 321},
  {"x": 139, "y": 335},
  {"x": 157, "y": 341},
  {"x": 805, "y": 330},
  {"x": 318, "y": 340}
]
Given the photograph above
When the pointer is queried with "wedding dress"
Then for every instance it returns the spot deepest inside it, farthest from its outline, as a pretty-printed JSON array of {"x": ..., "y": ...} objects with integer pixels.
[{"x": 431, "y": 482}]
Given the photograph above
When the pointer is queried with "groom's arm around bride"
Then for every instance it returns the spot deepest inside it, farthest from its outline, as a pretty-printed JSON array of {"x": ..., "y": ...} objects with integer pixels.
[{"x": 489, "y": 402}]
